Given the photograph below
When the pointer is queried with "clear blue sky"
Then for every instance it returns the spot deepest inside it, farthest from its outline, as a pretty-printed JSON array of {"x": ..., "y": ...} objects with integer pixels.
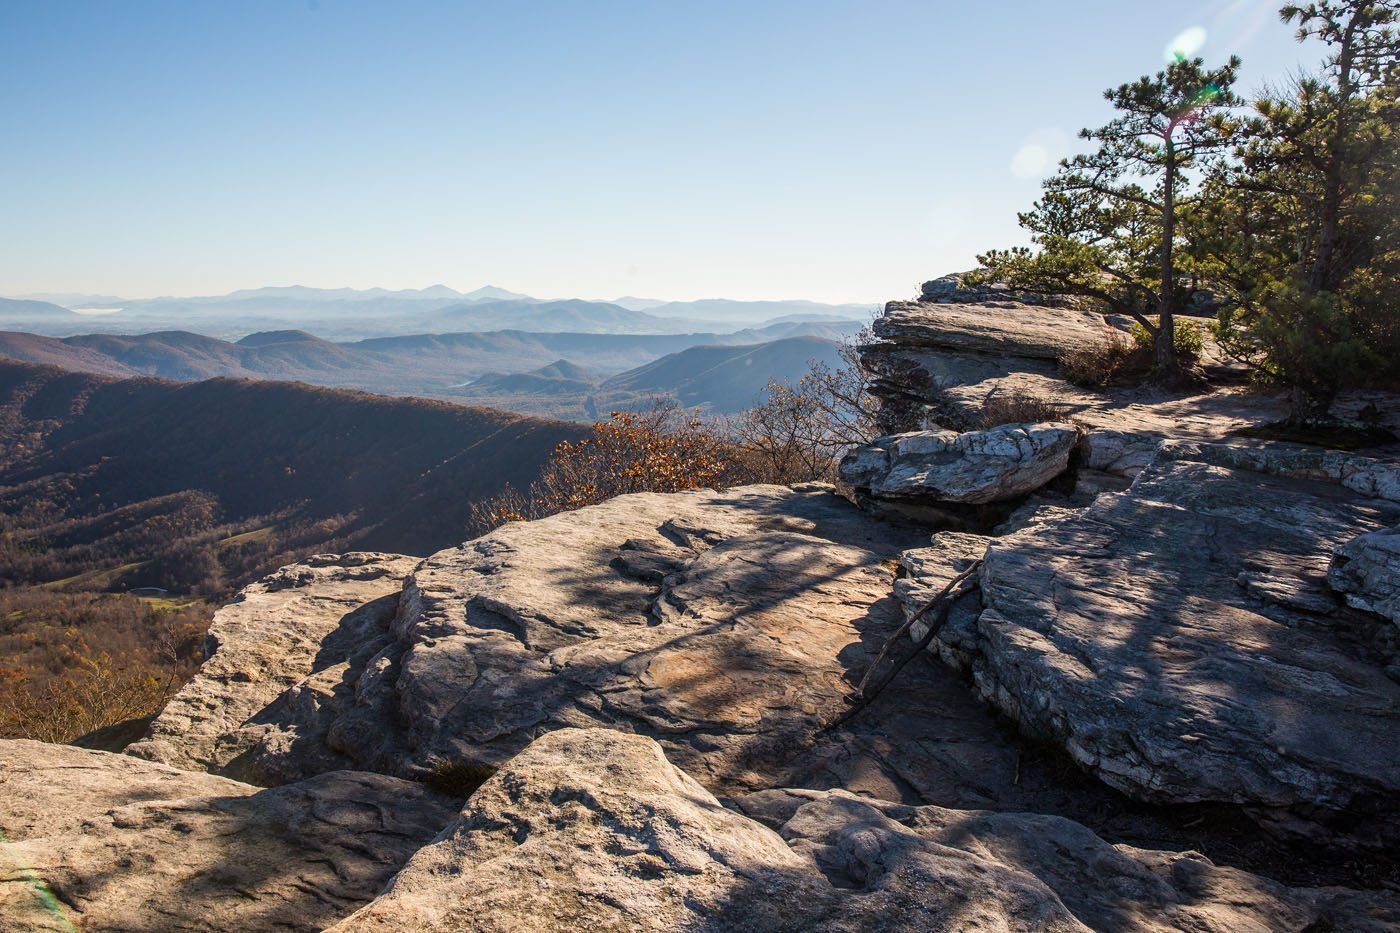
[{"x": 827, "y": 150}]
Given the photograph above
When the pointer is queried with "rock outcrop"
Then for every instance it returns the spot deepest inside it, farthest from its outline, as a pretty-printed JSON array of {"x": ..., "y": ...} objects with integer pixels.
[
  {"x": 731, "y": 626},
  {"x": 939, "y": 359},
  {"x": 1367, "y": 570},
  {"x": 594, "y": 829},
  {"x": 1181, "y": 642},
  {"x": 102, "y": 841},
  {"x": 1204, "y": 628},
  {"x": 971, "y": 468},
  {"x": 287, "y": 641},
  {"x": 925, "y": 351},
  {"x": 1371, "y": 477}
]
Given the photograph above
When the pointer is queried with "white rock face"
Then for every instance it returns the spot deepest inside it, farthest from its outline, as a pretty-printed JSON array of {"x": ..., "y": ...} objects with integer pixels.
[
  {"x": 972, "y": 468},
  {"x": 296, "y": 629},
  {"x": 1367, "y": 570},
  {"x": 594, "y": 829},
  {"x": 100, "y": 841}
]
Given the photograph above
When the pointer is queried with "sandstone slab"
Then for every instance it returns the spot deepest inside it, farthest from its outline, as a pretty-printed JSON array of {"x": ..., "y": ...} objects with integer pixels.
[
  {"x": 594, "y": 829},
  {"x": 295, "y": 629},
  {"x": 1369, "y": 476},
  {"x": 110, "y": 842},
  {"x": 726, "y": 624},
  {"x": 1181, "y": 642},
  {"x": 731, "y": 626},
  {"x": 1006, "y": 328}
]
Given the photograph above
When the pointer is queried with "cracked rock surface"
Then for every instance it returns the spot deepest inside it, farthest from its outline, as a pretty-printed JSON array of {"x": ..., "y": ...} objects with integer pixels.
[
  {"x": 110, "y": 842},
  {"x": 728, "y": 625},
  {"x": 1180, "y": 639},
  {"x": 594, "y": 829},
  {"x": 277, "y": 659}
]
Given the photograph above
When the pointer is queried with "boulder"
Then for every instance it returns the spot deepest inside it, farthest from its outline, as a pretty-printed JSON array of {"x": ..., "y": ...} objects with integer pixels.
[
  {"x": 295, "y": 628},
  {"x": 971, "y": 468},
  {"x": 1181, "y": 642},
  {"x": 595, "y": 829},
  {"x": 110, "y": 842},
  {"x": 1121, "y": 453},
  {"x": 1367, "y": 570}
]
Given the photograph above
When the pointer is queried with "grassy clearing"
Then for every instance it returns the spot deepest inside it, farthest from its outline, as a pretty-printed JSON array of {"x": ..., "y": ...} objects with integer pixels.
[
  {"x": 94, "y": 579},
  {"x": 257, "y": 534}
]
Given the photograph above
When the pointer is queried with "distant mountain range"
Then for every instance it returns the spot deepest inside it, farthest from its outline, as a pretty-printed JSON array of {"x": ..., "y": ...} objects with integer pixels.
[
  {"x": 720, "y": 379},
  {"x": 27, "y": 310},
  {"x": 459, "y": 365},
  {"x": 347, "y": 314}
]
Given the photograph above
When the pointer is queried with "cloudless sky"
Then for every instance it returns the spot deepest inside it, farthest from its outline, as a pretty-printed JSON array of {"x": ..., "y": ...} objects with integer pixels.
[{"x": 838, "y": 151}]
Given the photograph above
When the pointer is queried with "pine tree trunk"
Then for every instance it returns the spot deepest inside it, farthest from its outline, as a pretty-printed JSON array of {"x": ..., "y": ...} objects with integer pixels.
[
  {"x": 1165, "y": 345},
  {"x": 1321, "y": 275}
]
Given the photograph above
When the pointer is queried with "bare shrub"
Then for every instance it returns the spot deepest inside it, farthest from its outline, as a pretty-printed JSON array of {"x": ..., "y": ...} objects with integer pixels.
[
  {"x": 798, "y": 433},
  {"x": 1017, "y": 407},
  {"x": 801, "y": 430},
  {"x": 102, "y": 692},
  {"x": 1112, "y": 361}
]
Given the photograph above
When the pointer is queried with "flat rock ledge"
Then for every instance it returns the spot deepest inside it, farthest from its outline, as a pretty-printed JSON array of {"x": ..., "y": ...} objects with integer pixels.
[
  {"x": 290, "y": 637},
  {"x": 1181, "y": 641},
  {"x": 100, "y": 841},
  {"x": 595, "y": 829},
  {"x": 731, "y": 626}
]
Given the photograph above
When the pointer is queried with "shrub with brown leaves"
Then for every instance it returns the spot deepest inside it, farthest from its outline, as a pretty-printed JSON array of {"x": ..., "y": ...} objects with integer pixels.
[{"x": 663, "y": 448}]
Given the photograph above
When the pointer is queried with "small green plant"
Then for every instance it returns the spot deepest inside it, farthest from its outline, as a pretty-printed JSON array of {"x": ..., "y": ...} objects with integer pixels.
[
  {"x": 1189, "y": 339},
  {"x": 458, "y": 778}
]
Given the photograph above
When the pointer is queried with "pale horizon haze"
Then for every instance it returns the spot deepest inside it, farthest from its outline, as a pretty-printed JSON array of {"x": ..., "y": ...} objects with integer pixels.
[{"x": 836, "y": 152}]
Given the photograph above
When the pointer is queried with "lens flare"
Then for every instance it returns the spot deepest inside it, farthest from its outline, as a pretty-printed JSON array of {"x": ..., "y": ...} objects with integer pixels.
[
  {"x": 1188, "y": 43},
  {"x": 1039, "y": 153},
  {"x": 43, "y": 898}
]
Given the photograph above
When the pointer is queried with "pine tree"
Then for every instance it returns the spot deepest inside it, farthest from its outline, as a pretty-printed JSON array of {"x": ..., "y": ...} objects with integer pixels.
[
  {"x": 1108, "y": 223},
  {"x": 1301, "y": 233}
]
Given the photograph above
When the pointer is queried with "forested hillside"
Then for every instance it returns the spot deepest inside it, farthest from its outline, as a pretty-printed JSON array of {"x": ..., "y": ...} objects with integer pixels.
[
  {"x": 110, "y": 486},
  {"x": 169, "y": 484}
]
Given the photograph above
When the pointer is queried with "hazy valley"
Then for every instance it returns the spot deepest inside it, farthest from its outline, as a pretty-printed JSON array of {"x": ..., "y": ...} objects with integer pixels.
[{"x": 352, "y": 314}]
